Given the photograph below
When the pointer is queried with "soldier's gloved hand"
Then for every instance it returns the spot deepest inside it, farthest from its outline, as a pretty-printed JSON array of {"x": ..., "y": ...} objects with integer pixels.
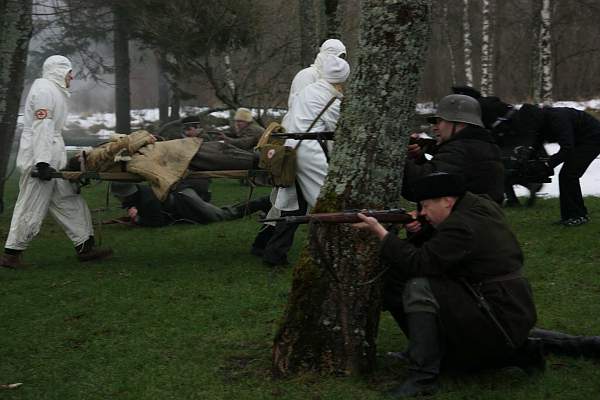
[{"x": 44, "y": 170}]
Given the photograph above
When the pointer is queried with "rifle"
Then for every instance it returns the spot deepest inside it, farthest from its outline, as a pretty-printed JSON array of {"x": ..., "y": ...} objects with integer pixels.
[
  {"x": 394, "y": 215},
  {"x": 304, "y": 135},
  {"x": 421, "y": 141}
]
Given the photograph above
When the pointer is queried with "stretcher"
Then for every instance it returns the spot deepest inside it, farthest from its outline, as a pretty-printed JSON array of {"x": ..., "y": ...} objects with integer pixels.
[{"x": 79, "y": 176}]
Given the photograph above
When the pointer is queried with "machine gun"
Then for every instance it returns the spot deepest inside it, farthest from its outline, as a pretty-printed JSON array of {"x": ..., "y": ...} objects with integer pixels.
[
  {"x": 394, "y": 215},
  {"x": 525, "y": 165}
]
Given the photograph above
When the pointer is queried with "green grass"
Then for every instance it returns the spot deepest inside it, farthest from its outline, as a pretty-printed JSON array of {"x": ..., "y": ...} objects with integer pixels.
[{"x": 184, "y": 312}]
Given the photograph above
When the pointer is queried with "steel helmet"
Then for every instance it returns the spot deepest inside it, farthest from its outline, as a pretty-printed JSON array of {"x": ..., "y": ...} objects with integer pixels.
[{"x": 459, "y": 108}]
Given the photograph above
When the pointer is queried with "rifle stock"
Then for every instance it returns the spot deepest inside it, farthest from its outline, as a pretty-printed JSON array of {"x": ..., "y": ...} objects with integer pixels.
[{"x": 398, "y": 215}]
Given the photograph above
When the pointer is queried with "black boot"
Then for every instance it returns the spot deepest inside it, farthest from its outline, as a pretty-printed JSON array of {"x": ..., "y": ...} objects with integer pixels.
[
  {"x": 12, "y": 259},
  {"x": 530, "y": 357},
  {"x": 87, "y": 251},
  {"x": 252, "y": 206},
  {"x": 425, "y": 352},
  {"x": 568, "y": 345}
]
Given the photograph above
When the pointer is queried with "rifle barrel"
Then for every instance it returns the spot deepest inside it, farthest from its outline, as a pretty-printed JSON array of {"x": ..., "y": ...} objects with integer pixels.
[{"x": 395, "y": 216}]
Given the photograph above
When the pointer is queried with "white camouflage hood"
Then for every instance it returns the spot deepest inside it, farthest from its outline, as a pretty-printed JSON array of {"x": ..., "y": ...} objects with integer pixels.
[
  {"x": 333, "y": 47},
  {"x": 55, "y": 69}
]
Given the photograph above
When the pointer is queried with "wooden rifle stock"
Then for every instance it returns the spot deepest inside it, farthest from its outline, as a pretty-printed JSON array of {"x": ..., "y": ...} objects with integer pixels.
[{"x": 397, "y": 215}]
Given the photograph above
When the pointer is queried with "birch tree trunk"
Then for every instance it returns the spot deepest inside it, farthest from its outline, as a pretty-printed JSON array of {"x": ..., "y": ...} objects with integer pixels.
[
  {"x": 487, "y": 50},
  {"x": 546, "y": 53},
  {"x": 534, "y": 65},
  {"x": 467, "y": 44},
  {"x": 308, "y": 32},
  {"x": 229, "y": 77},
  {"x": 449, "y": 44},
  {"x": 15, "y": 32},
  {"x": 121, "y": 57},
  {"x": 331, "y": 320}
]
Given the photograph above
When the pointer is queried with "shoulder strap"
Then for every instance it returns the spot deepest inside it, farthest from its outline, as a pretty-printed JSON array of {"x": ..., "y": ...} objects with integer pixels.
[{"x": 329, "y": 103}]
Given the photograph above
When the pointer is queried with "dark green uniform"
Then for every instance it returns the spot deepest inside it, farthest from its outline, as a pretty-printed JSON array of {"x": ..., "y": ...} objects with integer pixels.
[
  {"x": 476, "y": 244},
  {"x": 247, "y": 138},
  {"x": 471, "y": 153}
]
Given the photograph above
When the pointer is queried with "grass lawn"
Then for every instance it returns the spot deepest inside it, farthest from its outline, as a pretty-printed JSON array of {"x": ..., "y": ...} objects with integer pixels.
[{"x": 185, "y": 312}]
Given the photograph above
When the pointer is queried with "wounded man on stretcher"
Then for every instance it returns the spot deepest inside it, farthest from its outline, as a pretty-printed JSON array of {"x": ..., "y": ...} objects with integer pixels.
[{"x": 164, "y": 163}]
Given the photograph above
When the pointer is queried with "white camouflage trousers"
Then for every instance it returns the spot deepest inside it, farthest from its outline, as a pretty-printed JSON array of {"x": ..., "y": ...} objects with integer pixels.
[{"x": 37, "y": 198}]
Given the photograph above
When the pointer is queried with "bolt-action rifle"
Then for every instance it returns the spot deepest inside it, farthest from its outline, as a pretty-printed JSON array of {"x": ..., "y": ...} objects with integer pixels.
[
  {"x": 395, "y": 215},
  {"x": 421, "y": 141}
]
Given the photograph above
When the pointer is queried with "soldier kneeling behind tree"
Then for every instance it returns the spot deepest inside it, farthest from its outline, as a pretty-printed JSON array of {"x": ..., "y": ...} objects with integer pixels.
[{"x": 456, "y": 287}]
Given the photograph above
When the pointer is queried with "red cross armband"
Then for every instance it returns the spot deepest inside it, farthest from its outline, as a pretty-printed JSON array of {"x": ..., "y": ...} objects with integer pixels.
[{"x": 42, "y": 113}]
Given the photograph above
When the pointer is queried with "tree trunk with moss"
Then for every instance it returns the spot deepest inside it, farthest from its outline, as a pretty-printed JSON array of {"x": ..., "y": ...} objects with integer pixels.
[
  {"x": 15, "y": 32},
  {"x": 331, "y": 320}
]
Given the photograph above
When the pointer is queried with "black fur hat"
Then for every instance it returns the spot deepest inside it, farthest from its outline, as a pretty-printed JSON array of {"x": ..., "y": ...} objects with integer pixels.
[
  {"x": 438, "y": 184},
  {"x": 492, "y": 108},
  {"x": 467, "y": 91}
]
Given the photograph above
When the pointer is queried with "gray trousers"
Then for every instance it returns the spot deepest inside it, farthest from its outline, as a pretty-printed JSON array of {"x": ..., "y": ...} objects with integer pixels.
[{"x": 417, "y": 296}]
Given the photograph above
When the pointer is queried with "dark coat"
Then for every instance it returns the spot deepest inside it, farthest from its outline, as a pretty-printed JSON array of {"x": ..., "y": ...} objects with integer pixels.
[
  {"x": 247, "y": 138},
  {"x": 569, "y": 128},
  {"x": 474, "y": 243},
  {"x": 150, "y": 209},
  {"x": 471, "y": 153}
]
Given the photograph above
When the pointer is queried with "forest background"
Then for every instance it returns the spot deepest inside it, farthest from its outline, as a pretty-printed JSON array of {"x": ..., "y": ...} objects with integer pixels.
[{"x": 245, "y": 53}]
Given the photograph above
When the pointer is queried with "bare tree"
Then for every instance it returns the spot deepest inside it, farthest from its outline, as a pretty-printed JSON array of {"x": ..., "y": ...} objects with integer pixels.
[
  {"x": 332, "y": 315},
  {"x": 121, "y": 57},
  {"x": 308, "y": 31},
  {"x": 15, "y": 32},
  {"x": 449, "y": 43},
  {"x": 546, "y": 53},
  {"x": 467, "y": 44},
  {"x": 487, "y": 49},
  {"x": 330, "y": 23}
]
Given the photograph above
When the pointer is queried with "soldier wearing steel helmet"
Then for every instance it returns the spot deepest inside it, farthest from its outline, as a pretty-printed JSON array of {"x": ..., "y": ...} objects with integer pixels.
[{"x": 464, "y": 147}]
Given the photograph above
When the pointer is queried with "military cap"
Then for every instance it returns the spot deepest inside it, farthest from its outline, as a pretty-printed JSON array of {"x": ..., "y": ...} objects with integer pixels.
[
  {"x": 191, "y": 120},
  {"x": 467, "y": 91}
]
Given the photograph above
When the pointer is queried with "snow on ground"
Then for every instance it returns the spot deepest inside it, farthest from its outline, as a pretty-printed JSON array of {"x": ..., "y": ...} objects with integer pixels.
[{"x": 590, "y": 182}]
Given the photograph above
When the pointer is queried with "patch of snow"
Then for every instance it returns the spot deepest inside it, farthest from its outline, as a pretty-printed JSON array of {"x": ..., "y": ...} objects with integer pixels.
[{"x": 590, "y": 182}]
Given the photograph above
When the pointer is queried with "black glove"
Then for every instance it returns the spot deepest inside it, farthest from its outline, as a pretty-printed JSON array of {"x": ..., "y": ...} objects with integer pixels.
[{"x": 43, "y": 171}]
